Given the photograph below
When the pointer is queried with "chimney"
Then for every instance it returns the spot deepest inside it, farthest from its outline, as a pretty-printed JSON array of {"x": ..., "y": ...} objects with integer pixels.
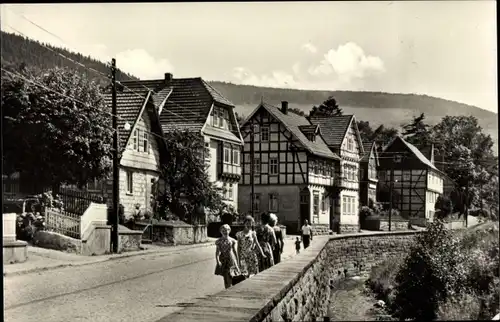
[
  {"x": 284, "y": 107},
  {"x": 432, "y": 153},
  {"x": 168, "y": 78}
]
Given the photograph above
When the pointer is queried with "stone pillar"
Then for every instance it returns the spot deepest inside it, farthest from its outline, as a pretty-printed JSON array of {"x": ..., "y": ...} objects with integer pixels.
[{"x": 9, "y": 227}]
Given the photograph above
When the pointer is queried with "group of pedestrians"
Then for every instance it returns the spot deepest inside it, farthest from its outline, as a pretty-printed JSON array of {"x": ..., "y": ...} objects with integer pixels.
[{"x": 254, "y": 250}]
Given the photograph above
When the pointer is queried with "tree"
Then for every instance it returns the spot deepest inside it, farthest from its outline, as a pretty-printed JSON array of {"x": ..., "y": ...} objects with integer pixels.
[
  {"x": 328, "y": 108},
  {"x": 296, "y": 111},
  {"x": 187, "y": 185},
  {"x": 365, "y": 131},
  {"x": 382, "y": 136},
  {"x": 239, "y": 118},
  {"x": 55, "y": 138},
  {"x": 417, "y": 132},
  {"x": 444, "y": 206}
]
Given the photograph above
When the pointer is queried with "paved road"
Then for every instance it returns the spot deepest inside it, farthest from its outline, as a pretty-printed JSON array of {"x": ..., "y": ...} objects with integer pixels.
[{"x": 141, "y": 288}]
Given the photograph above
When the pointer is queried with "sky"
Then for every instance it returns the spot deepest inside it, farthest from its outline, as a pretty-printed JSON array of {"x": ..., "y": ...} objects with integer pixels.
[{"x": 446, "y": 49}]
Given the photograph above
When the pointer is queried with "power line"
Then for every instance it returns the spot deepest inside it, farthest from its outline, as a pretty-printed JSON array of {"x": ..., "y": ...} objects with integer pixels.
[{"x": 96, "y": 71}]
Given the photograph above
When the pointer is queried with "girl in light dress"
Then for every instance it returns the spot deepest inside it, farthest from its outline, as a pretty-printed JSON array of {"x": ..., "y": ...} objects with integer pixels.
[
  {"x": 226, "y": 257},
  {"x": 248, "y": 248}
]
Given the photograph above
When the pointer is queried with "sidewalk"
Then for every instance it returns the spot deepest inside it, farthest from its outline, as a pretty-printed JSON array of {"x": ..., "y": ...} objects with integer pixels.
[{"x": 42, "y": 259}]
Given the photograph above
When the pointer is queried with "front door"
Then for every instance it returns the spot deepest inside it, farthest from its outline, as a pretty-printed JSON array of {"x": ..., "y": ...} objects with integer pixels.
[{"x": 305, "y": 206}]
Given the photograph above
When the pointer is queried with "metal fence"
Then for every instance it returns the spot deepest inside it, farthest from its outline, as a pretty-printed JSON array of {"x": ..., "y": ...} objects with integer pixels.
[
  {"x": 75, "y": 202},
  {"x": 63, "y": 223}
]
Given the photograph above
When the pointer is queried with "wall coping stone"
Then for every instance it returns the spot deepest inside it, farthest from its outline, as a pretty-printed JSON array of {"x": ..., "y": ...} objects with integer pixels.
[
  {"x": 14, "y": 243},
  {"x": 253, "y": 299},
  {"x": 130, "y": 232}
]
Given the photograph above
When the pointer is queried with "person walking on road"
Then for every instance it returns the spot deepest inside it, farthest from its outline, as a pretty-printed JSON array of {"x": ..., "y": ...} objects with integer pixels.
[
  {"x": 248, "y": 247},
  {"x": 307, "y": 234},
  {"x": 297, "y": 245},
  {"x": 278, "y": 247},
  {"x": 267, "y": 240},
  {"x": 226, "y": 257}
]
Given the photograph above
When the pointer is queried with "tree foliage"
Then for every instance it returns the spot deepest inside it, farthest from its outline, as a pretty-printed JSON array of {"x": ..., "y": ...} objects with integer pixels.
[
  {"x": 365, "y": 131},
  {"x": 53, "y": 138},
  {"x": 382, "y": 135},
  {"x": 444, "y": 205},
  {"x": 187, "y": 185},
  {"x": 328, "y": 108},
  {"x": 418, "y": 132}
]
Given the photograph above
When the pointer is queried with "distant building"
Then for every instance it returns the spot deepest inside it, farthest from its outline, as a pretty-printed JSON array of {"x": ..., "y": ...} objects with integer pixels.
[
  {"x": 192, "y": 104},
  {"x": 342, "y": 136},
  {"x": 368, "y": 174},
  {"x": 417, "y": 182},
  {"x": 294, "y": 171}
]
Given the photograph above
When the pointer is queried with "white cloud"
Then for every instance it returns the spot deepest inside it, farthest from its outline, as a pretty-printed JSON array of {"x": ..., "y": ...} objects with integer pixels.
[
  {"x": 140, "y": 63},
  {"x": 310, "y": 48},
  {"x": 296, "y": 68},
  {"x": 348, "y": 62},
  {"x": 275, "y": 79}
]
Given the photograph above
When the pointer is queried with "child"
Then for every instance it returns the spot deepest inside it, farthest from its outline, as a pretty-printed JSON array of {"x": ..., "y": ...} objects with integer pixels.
[{"x": 297, "y": 245}]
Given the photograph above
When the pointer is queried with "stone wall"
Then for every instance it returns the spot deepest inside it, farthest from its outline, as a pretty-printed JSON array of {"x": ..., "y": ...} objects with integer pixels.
[
  {"x": 173, "y": 233},
  {"x": 298, "y": 289}
]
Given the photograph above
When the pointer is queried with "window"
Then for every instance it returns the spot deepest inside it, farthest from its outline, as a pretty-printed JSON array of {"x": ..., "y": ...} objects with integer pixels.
[
  {"x": 256, "y": 202},
  {"x": 273, "y": 166},
  {"x": 145, "y": 143},
  {"x": 136, "y": 140},
  {"x": 323, "y": 203},
  {"x": 264, "y": 134},
  {"x": 315, "y": 206},
  {"x": 236, "y": 157},
  {"x": 273, "y": 202},
  {"x": 350, "y": 144},
  {"x": 230, "y": 192},
  {"x": 256, "y": 166},
  {"x": 344, "y": 205},
  {"x": 130, "y": 182},
  {"x": 227, "y": 155},
  {"x": 220, "y": 117},
  {"x": 206, "y": 152}
]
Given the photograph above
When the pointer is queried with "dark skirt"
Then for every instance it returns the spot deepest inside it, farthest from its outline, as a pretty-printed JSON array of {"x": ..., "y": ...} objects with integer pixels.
[
  {"x": 277, "y": 254},
  {"x": 306, "y": 240}
]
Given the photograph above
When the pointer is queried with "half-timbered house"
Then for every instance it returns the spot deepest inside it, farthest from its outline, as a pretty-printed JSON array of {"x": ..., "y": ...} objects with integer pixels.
[
  {"x": 293, "y": 168},
  {"x": 416, "y": 181},
  {"x": 341, "y": 134},
  {"x": 194, "y": 105},
  {"x": 368, "y": 174}
]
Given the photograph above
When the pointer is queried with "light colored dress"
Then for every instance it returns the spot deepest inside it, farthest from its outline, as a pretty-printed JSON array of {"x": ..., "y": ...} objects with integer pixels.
[
  {"x": 247, "y": 247},
  {"x": 227, "y": 258}
]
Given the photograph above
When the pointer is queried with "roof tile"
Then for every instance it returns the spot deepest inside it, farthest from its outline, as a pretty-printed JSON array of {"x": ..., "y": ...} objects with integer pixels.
[
  {"x": 293, "y": 122},
  {"x": 333, "y": 128}
]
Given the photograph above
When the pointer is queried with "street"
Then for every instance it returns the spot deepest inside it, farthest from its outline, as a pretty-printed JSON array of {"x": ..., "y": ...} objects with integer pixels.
[{"x": 142, "y": 288}]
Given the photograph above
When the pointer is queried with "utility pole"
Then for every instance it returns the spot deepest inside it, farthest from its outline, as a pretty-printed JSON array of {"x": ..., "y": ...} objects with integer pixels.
[
  {"x": 252, "y": 181},
  {"x": 116, "y": 174},
  {"x": 391, "y": 187}
]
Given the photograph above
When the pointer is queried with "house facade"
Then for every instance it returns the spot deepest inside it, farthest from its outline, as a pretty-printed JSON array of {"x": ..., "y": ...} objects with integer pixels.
[
  {"x": 368, "y": 174},
  {"x": 341, "y": 134},
  {"x": 417, "y": 183},
  {"x": 194, "y": 105},
  {"x": 293, "y": 169}
]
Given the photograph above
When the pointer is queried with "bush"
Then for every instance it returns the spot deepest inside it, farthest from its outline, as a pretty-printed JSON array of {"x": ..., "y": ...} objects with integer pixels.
[
  {"x": 443, "y": 207},
  {"x": 432, "y": 272},
  {"x": 382, "y": 279},
  {"x": 464, "y": 307}
]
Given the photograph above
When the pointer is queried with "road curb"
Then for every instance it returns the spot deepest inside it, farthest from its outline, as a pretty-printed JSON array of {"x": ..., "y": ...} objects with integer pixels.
[{"x": 168, "y": 249}]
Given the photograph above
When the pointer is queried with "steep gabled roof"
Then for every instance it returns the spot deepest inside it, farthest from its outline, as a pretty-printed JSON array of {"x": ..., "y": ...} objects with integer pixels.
[
  {"x": 292, "y": 123},
  {"x": 413, "y": 149},
  {"x": 367, "y": 148},
  {"x": 333, "y": 128},
  {"x": 186, "y": 103},
  {"x": 129, "y": 107}
]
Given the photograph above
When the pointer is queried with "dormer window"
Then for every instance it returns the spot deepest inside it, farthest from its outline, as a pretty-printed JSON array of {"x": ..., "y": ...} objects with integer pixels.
[
  {"x": 312, "y": 137},
  {"x": 220, "y": 118}
]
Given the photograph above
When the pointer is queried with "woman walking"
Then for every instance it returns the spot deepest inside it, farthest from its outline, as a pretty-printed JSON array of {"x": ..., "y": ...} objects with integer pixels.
[
  {"x": 248, "y": 247},
  {"x": 307, "y": 234},
  {"x": 267, "y": 240},
  {"x": 226, "y": 257},
  {"x": 278, "y": 248}
]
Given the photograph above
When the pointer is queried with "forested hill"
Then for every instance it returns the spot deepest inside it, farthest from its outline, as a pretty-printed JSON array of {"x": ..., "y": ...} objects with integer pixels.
[
  {"x": 375, "y": 107},
  {"x": 17, "y": 50}
]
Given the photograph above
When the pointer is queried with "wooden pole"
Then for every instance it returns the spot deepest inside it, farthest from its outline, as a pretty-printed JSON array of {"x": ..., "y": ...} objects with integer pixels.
[{"x": 116, "y": 178}]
